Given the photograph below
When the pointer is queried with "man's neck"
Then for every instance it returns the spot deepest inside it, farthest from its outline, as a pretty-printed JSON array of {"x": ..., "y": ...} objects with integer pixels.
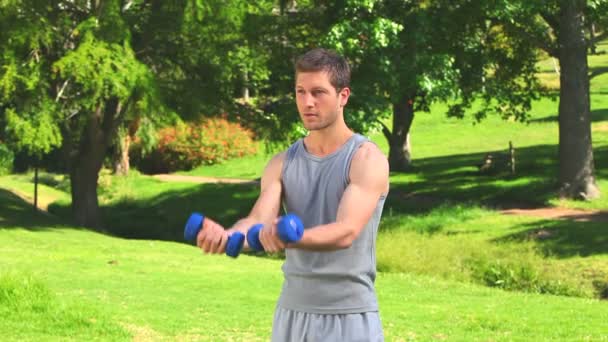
[{"x": 324, "y": 142}]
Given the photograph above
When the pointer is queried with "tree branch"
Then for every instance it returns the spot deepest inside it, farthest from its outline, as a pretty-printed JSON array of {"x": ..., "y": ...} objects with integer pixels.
[
  {"x": 387, "y": 133},
  {"x": 541, "y": 43},
  {"x": 551, "y": 20},
  {"x": 598, "y": 71},
  {"x": 60, "y": 92},
  {"x": 599, "y": 37}
]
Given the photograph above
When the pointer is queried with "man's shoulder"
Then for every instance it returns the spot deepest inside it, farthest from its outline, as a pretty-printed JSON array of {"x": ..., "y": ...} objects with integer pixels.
[
  {"x": 370, "y": 166},
  {"x": 369, "y": 152}
]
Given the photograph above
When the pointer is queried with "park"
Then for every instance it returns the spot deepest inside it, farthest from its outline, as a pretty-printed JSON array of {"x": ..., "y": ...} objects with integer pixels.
[{"x": 119, "y": 119}]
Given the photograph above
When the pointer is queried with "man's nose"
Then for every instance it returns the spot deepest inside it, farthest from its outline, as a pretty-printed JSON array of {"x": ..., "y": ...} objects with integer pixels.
[{"x": 309, "y": 101}]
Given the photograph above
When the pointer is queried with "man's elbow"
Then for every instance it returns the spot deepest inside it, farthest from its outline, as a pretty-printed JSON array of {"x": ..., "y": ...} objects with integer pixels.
[{"x": 347, "y": 240}]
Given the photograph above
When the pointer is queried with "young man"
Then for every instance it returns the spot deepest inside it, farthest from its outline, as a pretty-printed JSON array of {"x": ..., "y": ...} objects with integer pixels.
[{"x": 336, "y": 181}]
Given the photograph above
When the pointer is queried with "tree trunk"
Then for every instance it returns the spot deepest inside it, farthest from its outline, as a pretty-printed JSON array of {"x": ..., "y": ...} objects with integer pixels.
[
  {"x": 121, "y": 163},
  {"x": 576, "y": 168},
  {"x": 593, "y": 45},
  {"x": 36, "y": 186},
  {"x": 85, "y": 206},
  {"x": 400, "y": 153},
  {"x": 246, "y": 86},
  {"x": 87, "y": 161}
]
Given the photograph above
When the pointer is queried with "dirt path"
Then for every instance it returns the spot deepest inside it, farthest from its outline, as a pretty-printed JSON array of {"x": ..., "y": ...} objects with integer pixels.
[
  {"x": 201, "y": 179},
  {"x": 561, "y": 213},
  {"x": 43, "y": 203}
]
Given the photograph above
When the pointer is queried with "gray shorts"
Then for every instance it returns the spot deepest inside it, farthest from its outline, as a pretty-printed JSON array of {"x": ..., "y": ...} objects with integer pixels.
[{"x": 295, "y": 326}]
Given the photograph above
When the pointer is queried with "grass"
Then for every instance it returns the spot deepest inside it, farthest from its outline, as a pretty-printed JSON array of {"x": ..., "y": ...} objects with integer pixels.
[
  {"x": 446, "y": 152},
  {"x": 74, "y": 284},
  {"x": 31, "y": 312},
  {"x": 419, "y": 234},
  {"x": 598, "y": 69}
]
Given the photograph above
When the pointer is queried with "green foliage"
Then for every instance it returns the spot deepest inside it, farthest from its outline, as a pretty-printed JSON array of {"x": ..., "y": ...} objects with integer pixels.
[
  {"x": 101, "y": 70},
  {"x": 6, "y": 159},
  {"x": 513, "y": 276},
  {"x": 36, "y": 131}
]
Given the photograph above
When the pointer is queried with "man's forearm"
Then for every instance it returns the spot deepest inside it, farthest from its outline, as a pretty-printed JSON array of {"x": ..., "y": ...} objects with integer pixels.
[
  {"x": 243, "y": 224},
  {"x": 327, "y": 237}
]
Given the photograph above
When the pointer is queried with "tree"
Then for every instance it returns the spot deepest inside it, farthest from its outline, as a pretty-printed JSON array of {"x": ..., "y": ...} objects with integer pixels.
[
  {"x": 558, "y": 28},
  {"x": 74, "y": 73},
  {"x": 408, "y": 54},
  {"x": 576, "y": 166}
]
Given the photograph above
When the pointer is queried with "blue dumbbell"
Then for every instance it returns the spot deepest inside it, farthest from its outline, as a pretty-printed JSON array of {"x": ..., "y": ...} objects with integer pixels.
[
  {"x": 195, "y": 224},
  {"x": 289, "y": 228}
]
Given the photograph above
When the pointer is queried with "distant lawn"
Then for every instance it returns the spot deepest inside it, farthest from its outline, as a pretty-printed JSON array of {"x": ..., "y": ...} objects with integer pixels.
[
  {"x": 62, "y": 283},
  {"x": 446, "y": 153},
  {"x": 598, "y": 69}
]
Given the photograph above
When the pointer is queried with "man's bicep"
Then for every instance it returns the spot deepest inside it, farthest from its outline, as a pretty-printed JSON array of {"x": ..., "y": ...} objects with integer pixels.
[
  {"x": 369, "y": 181},
  {"x": 357, "y": 207}
]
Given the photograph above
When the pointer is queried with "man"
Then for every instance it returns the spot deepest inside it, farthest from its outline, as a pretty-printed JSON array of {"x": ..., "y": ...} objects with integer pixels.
[{"x": 336, "y": 181}]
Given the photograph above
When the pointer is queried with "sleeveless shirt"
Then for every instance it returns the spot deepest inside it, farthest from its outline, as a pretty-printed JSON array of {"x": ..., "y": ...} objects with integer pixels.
[{"x": 328, "y": 282}]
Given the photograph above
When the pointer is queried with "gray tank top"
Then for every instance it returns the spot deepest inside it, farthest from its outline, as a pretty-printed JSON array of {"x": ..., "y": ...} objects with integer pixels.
[{"x": 336, "y": 282}]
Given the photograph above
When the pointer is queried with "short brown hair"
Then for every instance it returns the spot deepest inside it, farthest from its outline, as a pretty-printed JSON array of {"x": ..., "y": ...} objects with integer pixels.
[{"x": 329, "y": 61}]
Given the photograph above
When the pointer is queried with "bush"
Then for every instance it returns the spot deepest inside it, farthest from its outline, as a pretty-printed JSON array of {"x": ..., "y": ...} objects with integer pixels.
[
  {"x": 6, "y": 159},
  {"x": 519, "y": 276},
  {"x": 210, "y": 141}
]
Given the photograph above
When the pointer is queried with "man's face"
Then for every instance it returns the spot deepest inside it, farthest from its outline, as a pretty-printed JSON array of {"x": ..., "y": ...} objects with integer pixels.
[{"x": 318, "y": 102}]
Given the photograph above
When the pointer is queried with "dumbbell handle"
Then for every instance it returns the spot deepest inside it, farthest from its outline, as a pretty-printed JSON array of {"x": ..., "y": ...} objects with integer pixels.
[
  {"x": 289, "y": 228},
  {"x": 235, "y": 242}
]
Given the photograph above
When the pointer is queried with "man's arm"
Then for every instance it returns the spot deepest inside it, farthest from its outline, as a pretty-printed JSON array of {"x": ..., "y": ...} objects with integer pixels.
[
  {"x": 267, "y": 207},
  {"x": 369, "y": 174},
  {"x": 268, "y": 204},
  {"x": 265, "y": 211}
]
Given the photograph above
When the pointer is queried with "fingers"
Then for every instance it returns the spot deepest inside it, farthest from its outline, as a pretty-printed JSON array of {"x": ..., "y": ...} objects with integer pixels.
[
  {"x": 218, "y": 246},
  {"x": 270, "y": 239},
  {"x": 212, "y": 237}
]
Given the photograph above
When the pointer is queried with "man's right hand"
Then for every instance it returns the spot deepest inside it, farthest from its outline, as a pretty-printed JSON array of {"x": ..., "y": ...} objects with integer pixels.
[
  {"x": 212, "y": 238},
  {"x": 270, "y": 238}
]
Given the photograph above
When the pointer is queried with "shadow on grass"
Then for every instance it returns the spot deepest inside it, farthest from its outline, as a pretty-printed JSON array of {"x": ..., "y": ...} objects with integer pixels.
[
  {"x": 18, "y": 213},
  {"x": 564, "y": 238},
  {"x": 163, "y": 217},
  {"x": 455, "y": 179},
  {"x": 597, "y": 115},
  {"x": 439, "y": 181}
]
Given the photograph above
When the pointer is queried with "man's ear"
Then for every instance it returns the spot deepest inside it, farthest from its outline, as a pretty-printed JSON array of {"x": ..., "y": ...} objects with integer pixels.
[{"x": 344, "y": 94}]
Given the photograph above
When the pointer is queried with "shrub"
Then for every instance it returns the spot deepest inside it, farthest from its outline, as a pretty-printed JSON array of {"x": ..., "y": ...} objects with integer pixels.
[
  {"x": 6, "y": 159},
  {"x": 210, "y": 141},
  {"x": 519, "y": 276}
]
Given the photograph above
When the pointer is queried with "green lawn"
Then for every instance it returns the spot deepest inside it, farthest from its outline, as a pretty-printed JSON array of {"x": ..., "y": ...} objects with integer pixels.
[
  {"x": 62, "y": 283},
  {"x": 598, "y": 69}
]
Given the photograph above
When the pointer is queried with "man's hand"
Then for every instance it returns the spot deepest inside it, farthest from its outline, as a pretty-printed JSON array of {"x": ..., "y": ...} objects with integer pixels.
[
  {"x": 270, "y": 238},
  {"x": 212, "y": 238}
]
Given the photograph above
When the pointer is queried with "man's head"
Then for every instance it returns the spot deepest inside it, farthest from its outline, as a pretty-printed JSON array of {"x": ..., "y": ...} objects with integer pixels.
[
  {"x": 322, "y": 88},
  {"x": 328, "y": 61}
]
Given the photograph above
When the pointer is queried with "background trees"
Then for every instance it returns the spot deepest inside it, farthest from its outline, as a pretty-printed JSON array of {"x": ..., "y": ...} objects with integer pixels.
[{"x": 84, "y": 77}]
